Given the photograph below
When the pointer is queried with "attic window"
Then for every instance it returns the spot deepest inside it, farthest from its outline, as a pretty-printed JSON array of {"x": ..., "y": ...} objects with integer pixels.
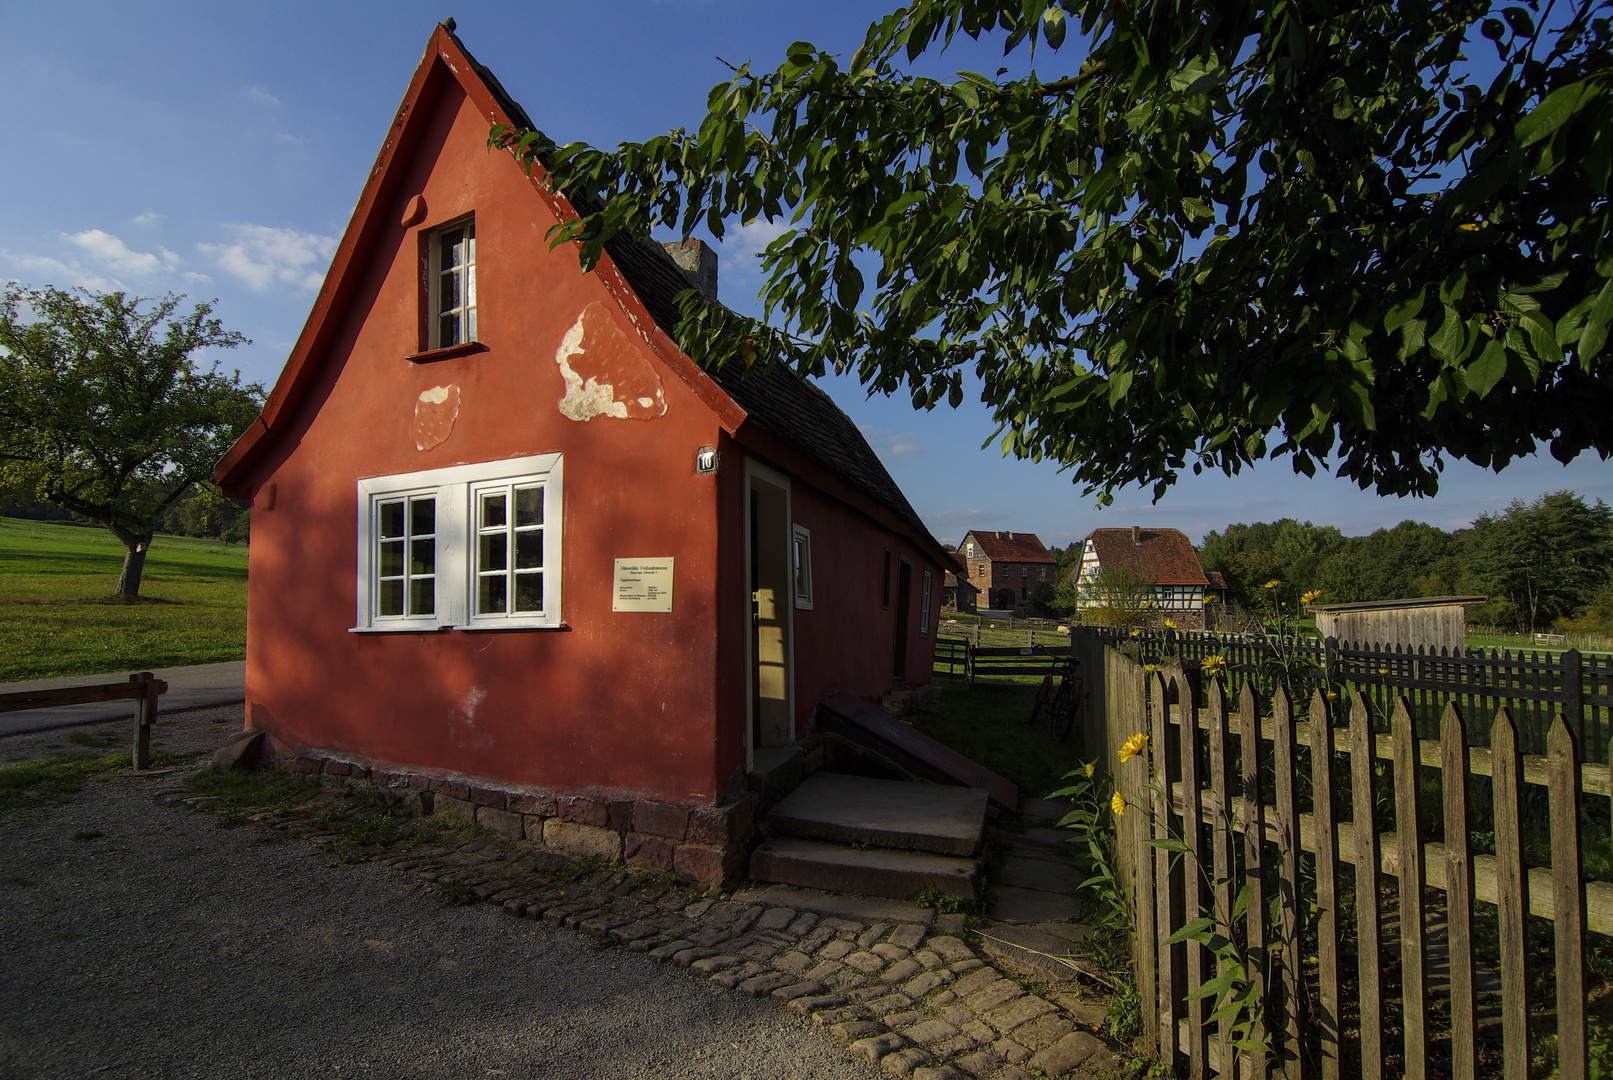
[{"x": 453, "y": 285}]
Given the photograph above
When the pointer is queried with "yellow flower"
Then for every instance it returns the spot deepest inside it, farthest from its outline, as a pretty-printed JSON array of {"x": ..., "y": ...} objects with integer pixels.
[
  {"x": 1150, "y": 667},
  {"x": 1090, "y": 768},
  {"x": 1137, "y": 633},
  {"x": 1213, "y": 664},
  {"x": 1383, "y": 671},
  {"x": 1170, "y": 624},
  {"x": 1133, "y": 746},
  {"x": 1117, "y": 803},
  {"x": 1332, "y": 695},
  {"x": 1470, "y": 226},
  {"x": 1272, "y": 584},
  {"x": 1311, "y": 597}
]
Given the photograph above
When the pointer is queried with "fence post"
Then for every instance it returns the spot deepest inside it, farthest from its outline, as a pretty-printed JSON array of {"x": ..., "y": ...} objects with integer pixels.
[
  {"x": 144, "y": 714},
  {"x": 1574, "y": 701}
]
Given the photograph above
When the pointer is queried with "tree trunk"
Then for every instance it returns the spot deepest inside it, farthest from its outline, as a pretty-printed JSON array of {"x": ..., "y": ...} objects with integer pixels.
[{"x": 134, "y": 564}]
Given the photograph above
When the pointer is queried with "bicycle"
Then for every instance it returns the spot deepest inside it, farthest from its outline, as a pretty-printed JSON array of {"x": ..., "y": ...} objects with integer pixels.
[{"x": 1063, "y": 700}]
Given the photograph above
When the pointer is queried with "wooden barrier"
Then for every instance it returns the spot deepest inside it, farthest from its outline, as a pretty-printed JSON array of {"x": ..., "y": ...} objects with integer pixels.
[
  {"x": 143, "y": 687},
  {"x": 953, "y": 652},
  {"x": 1365, "y": 785},
  {"x": 1021, "y": 660}
]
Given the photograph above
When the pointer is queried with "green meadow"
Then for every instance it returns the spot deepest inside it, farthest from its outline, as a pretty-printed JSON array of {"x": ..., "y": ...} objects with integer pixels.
[{"x": 58, "y": 616}]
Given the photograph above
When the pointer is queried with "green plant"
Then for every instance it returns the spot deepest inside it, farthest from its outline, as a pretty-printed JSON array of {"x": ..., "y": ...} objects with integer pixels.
[
  {"x": 1090, "y": 792},
  {"x": 1233, "y": 990},
  {"x": 454, "y": 894},
  {"x": 263, "y": 788},
  {"x": 585, "y": 867},
  {"x": 943, "y": 903},
  {"x": 54, "y": 780}
]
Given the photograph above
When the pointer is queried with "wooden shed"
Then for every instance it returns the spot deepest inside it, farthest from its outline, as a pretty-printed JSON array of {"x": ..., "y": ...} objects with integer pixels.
[{"x": 1433, "y": 622}]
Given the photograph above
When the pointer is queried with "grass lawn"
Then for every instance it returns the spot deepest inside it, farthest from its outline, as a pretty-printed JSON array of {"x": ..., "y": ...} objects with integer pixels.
[
  {"x": 57, "y": 616},
  {"x": 987, "y": 724}
]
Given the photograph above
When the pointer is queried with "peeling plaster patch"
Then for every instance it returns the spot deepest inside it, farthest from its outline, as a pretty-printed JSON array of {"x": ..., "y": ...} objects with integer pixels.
[
  {"x": 471, "y": 700},
  {"x": 434, "y": 414},
  {"x": 606, "y": 373}
]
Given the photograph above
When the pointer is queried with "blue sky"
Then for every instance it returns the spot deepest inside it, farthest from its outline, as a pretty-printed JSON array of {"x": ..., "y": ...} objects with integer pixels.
[{"x": 218, "y": 149}]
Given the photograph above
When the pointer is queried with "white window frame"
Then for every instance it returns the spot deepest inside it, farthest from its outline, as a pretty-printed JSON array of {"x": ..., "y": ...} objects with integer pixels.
[
  {"x": 801, "y": 542},
  {"x": 456, "y": 489},
  {"x": 467, "y": 309},
  {"x": 929, "y": 593}
]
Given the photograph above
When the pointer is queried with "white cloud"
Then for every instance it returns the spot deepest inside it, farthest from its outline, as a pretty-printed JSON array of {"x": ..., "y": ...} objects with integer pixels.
[
  {"x": 263, "y": 256},
  {"x": 56, "y": 272},
  {"x": 260, "y": 95},
  {"x": 150, "y": 217},
  {"x": 118, "y": 257},
  {"x": 891, "y": 444},
  {"x": 740, "y": 249}
]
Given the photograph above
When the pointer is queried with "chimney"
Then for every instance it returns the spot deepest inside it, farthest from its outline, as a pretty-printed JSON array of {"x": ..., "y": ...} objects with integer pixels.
[
  {"x": 1136, "y": 536},
  {"x": 698, "y": 263}
]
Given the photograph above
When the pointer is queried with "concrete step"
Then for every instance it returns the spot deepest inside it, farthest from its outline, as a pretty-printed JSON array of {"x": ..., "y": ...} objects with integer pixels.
[
  {"x": 939, "y": 818},
  {"x": 899, "y": 875}
]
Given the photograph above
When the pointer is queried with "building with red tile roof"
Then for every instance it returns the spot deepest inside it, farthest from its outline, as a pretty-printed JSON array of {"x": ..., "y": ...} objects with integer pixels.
[
  {"x": 1004, "y": 566},
  {"x": 1164, "y": 558}
]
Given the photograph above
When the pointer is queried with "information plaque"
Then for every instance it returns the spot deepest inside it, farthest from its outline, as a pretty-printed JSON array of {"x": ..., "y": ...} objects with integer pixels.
[{"x": 643, "y": 585}]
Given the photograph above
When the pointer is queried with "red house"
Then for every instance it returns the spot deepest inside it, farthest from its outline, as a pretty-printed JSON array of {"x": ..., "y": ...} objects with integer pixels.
[{"x": 512, "y": 547}]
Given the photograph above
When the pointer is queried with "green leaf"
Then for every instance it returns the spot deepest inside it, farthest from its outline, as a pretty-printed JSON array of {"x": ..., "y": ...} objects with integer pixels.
[
  {"x": 1484, "y": 373},
  {"x": 1447, "y": 341},
  {"x": 1168, "y": 844},
  {"x": 1401, "y": 313},
  {"x": 1558, "y": 108},
  {"x": 1191, "y": 932},
  {"x": 1119, "y": 384},
  {"x": 1594, "y": 336},
  {"x": 1053, "y": 25},
  {"x": 966, "y": 94}
]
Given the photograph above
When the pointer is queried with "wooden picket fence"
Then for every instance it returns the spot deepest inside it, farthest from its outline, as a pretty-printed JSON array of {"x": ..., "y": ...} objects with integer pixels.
[
  {"x": 1274, "y": 804},
  {"x": 1534, "y": 686}
]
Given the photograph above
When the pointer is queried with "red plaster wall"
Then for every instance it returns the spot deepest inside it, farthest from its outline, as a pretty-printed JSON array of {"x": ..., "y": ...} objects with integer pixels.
[
  {"x": 624, "y": 702},
  {"x": 846, "y": 641}
]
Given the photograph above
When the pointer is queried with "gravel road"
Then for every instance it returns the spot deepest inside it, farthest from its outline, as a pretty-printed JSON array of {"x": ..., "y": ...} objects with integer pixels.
[{"x": 164, "y": 946}]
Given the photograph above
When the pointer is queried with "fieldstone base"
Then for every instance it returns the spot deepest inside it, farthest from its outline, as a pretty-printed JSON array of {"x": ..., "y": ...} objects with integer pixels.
[{"x": 706, "y": 843}]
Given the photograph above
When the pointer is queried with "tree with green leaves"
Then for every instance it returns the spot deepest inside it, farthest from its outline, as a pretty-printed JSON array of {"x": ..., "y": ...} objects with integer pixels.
[
  {"x": 1548, "y": 559},
  {"x": 1368, "y": 238},
  {"x": 1114, "y": 596},
  {"x": 105, "y": 411}
]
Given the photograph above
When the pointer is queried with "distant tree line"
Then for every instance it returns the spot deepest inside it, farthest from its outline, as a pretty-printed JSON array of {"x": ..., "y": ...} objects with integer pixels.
[
  {"x": 203, "y": 513},
  {"x": 1545, "y": 565}
]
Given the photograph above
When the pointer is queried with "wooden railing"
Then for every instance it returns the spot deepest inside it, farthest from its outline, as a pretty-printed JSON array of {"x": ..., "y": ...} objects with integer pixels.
[
  {"x": 143, "y": 687},
  {"x": 1232, "y": 788}
]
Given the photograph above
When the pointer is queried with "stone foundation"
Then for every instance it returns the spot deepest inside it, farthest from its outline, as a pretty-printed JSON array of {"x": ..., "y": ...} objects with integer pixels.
[{"x": 707, "y": 843}]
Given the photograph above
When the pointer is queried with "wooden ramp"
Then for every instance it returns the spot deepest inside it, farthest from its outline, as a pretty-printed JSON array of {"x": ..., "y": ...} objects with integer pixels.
[{"x": 910, "y": 750}]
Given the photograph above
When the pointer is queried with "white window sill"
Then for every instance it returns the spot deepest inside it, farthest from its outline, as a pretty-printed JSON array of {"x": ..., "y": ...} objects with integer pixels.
[
  {"x": 427, "y": 628},
  {"x": 468, "y": 629}
]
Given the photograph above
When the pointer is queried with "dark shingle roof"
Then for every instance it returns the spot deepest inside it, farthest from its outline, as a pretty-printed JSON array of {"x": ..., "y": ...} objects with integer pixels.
[{"x": 776, "y": 399}]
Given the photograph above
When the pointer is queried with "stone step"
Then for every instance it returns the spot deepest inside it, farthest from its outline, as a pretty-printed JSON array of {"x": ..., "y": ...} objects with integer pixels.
[
  {"x": 938, "y": 818},
  {"x": 899, "y": 875},
  {"x": 906, "y": 747}
]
